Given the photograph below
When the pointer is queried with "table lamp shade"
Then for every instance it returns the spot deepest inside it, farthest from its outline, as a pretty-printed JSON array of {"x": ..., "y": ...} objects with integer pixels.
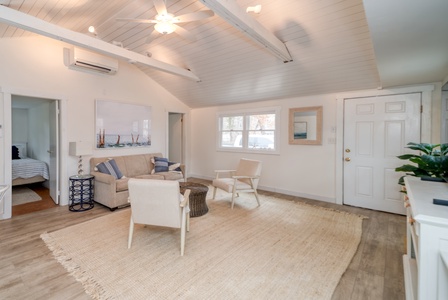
[{"x": 79, "y": 148}]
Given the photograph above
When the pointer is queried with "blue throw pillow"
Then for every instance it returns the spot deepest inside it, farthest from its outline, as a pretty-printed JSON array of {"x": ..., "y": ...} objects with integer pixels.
[
  {"x": 172, "y": 166},
  {"x": 110, "y": 167},
  {"x": 160, "y": 164}
]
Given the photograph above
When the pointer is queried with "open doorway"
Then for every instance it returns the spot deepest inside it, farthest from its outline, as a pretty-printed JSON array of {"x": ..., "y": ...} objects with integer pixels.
[
  {"x": 35, "y": 162},
  {"x": 176, "y": 137}
]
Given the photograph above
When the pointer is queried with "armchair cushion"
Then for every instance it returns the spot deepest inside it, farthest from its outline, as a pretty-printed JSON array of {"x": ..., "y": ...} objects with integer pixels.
[{"x": 109, "y": 167}]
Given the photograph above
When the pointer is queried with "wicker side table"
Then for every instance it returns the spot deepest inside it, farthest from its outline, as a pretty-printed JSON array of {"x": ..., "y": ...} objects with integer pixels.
[{"x": 198, "y": 195}]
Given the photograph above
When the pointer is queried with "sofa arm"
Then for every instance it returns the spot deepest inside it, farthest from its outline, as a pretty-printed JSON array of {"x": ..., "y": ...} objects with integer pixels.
[
  {"x": 104, "y": 178},
  {"x": 184, "y": 171},
  {"x": 105, "y": 189}
]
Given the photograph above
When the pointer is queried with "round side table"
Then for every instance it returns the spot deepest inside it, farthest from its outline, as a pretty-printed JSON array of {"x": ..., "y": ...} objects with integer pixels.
[
  {"x": 198, "y": 194},
  {"x": 81, "y": 192}
]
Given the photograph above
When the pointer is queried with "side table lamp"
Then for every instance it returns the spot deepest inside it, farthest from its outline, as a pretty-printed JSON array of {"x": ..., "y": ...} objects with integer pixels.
[{"x": 79, "y": 149}]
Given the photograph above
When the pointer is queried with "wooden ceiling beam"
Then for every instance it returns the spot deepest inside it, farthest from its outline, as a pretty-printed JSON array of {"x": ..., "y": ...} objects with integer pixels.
[
  {"x": 29, "y": 23},
  {"x": 230, "y": 11}
]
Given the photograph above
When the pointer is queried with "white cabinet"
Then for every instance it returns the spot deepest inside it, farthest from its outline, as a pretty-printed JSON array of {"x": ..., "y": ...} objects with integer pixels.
[{"x": 426, "y": 259}]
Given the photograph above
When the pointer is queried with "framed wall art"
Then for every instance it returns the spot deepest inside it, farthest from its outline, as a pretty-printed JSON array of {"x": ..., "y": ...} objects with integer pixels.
[
  {"x": 305, "y": 125},
  {"x": 121, "y": 125}
]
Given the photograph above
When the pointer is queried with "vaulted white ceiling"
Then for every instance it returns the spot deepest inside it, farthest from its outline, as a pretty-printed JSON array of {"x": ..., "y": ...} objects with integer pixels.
[{"x": 336, "y": 45}]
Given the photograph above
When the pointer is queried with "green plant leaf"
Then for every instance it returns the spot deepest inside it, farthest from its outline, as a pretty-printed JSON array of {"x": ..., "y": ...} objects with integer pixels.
[{"x": 407, "y": 156}]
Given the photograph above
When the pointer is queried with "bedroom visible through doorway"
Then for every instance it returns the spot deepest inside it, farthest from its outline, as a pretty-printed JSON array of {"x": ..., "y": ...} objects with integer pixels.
[{"x": 34, "y": 124}]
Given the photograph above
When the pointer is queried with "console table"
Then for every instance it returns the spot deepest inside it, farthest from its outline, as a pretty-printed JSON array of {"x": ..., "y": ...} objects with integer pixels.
[
  {"x": 426, "y": 260},
  {"x": 81, "y": 192}
]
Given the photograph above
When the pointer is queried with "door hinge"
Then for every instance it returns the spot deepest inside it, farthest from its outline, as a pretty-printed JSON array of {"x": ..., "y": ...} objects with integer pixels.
[{"x": 421, "y": 109}]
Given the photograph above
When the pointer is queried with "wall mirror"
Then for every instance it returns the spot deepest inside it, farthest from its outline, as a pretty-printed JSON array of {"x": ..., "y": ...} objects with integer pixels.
[{"x": 305, "y": 125}]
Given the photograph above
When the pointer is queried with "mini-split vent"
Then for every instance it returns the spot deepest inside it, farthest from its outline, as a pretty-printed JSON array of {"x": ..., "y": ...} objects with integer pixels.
[{"x": 77, "y": 58}]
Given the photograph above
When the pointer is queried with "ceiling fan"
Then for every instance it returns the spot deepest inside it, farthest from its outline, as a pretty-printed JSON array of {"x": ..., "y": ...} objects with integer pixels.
[{"x": 166, "y": 23}]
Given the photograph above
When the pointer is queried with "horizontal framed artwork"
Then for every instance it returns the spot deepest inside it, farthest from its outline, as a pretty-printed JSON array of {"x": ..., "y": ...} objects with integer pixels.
[{"x": 120, "y": 125}]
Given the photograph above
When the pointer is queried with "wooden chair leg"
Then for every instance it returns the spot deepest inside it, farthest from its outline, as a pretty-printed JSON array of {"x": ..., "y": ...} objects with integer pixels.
[
  {"x": 256, "y": 196},
  {"x": 182, "y": 234},
  {"x": 214, "y": 192},
  {"x": 131, "y": 233},
  {"x": 233, "y": 195}
]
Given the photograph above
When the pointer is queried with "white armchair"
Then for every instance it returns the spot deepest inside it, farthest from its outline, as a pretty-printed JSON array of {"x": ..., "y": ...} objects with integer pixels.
[
  {"x": 159, "y": 203},
  {"x": 243, "y": 180}
]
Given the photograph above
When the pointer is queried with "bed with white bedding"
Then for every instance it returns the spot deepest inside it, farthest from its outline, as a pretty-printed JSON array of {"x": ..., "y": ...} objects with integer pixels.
[{"x": 27, "y": 170}]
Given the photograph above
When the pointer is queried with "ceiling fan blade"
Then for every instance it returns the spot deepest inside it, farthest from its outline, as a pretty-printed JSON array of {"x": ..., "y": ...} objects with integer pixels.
[
  {"x": 160, "y": 7},
  {"x": 136, "y": 20},
  {"x": 184, "y": 33},
  {"x": 199, "y": 15},
  {"x": 152, "y": 36}
]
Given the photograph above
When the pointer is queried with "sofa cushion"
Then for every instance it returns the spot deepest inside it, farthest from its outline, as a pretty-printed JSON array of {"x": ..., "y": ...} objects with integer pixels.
[
  {"x": 171, "y": 175},
  {"x": 109, "y": 167},
  {"x": 137, "y": 165},
  {"x": 151, "y": 176}
]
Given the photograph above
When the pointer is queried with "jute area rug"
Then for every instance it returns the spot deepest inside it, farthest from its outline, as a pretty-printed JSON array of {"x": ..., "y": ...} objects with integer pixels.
[
  {"x": 280, "y": 250},
  {"x": 23, "y": 194}
]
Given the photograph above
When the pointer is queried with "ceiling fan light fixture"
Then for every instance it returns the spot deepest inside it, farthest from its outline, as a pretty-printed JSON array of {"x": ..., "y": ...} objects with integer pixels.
[
  {"x": 164, "y": 27},
  {"x": 255, "y": 9}
]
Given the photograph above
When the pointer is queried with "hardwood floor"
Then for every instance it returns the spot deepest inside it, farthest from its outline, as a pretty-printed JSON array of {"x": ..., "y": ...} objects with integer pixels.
[
  {"x": 27, "y": 208},
  {"x": 29, "y": 271}
]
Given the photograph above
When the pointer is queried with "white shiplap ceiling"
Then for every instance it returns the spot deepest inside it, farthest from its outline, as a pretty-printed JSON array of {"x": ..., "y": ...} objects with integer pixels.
[{"x": 329, "y": 40}]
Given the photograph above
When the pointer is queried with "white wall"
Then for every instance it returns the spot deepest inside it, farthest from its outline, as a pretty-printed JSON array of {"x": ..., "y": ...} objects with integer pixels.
[
  {"x": 33, "y": 66},
  {"x": 303, "y": 170},
  {"x": 39, "y": 132},
  {"x": 300, "y": 170},
  {"x": 19, "y": 125}
]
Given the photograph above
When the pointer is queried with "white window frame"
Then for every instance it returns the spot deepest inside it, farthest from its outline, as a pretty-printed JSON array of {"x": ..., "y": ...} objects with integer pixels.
[{"x": 245, "y": 113}]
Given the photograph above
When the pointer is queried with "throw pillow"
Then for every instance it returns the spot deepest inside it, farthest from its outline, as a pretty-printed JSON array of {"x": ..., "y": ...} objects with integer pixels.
[
  {"x": 15, "y": 152},
  {"x": 110, "y": 167},
  {"x": 172, "y": 166},
  {"x": 160, "y": 164}
]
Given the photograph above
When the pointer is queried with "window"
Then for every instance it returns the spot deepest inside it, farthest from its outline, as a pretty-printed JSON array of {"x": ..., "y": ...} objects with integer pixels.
[{"x": 249, "y": 131}]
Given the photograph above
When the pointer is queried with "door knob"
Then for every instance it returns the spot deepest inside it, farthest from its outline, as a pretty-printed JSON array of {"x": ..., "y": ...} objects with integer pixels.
[
  {"x": 347, "y": 159},
  {"x": 347, "y": 150}
]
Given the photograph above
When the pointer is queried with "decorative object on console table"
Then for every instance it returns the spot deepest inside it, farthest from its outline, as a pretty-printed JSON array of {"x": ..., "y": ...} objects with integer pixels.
[
  {"x": 81, "y": 192},
  {"x": 79, "y": 149}
]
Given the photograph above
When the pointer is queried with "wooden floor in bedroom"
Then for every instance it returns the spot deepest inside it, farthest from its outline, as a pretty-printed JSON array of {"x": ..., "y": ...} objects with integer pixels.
[
  {"x": 27, "y": 208},
  {"x": 29, "y": 271}
]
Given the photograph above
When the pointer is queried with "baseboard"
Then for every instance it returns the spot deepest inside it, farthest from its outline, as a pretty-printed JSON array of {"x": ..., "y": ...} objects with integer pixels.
[{"x": 281, "y": 191}]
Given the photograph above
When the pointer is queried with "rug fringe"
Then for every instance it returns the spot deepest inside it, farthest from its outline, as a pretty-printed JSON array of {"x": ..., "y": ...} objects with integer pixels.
[{"x": 92, "y": 288}]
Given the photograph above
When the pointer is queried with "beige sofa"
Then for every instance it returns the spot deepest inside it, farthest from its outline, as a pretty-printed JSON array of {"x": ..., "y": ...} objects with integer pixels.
[{"x": 112, "y": 192}]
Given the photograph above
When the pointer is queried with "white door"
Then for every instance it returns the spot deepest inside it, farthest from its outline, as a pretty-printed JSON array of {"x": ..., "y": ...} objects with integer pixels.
[
  {"x": 376, "y": 131},
  {"x": 54, "y": 151}
]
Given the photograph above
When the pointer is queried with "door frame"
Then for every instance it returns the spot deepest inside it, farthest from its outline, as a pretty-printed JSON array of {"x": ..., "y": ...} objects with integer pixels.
[
  {"x": 7, "y": 139},
  {"x": 185, "y": 133},
  {"x": 425, "y": 90}
]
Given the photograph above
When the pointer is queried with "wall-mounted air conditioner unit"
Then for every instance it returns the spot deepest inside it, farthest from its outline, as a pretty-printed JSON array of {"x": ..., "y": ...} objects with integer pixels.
[{"x": 77, "y": 58}]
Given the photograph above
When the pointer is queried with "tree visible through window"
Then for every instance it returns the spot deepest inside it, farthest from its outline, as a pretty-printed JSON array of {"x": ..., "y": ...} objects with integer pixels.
[{"x": 252, "y": 131}]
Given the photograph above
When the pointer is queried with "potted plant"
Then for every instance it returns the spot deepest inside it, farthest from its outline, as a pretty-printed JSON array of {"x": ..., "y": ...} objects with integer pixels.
[{"x": 431, "y": 163}]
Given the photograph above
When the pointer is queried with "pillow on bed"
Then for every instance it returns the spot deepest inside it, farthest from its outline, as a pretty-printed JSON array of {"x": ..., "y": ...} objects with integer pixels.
[
  {"x": 15, "y": 152},
  {"x": 109, "y": 167}
]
